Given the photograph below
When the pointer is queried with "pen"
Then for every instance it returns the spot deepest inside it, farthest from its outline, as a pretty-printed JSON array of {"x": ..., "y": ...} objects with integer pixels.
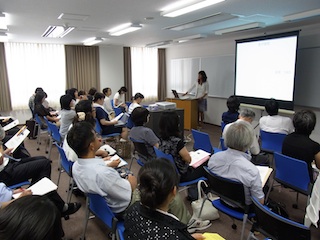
[{"x": 21, "y": 130}]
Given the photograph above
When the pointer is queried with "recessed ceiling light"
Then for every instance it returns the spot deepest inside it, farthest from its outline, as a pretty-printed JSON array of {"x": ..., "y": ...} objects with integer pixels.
[
  {"x": 93, "y": 41},
  {"x": 57, "y": 31}
]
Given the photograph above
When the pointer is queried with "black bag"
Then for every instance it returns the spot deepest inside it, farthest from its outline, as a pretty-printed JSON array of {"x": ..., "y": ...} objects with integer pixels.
[
  {"x": 278, "y": 208},
  {"x": 33, "y": 128}
]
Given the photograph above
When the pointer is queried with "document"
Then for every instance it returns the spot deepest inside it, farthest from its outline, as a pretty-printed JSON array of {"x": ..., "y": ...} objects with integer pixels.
[
  {"x": 118, "y": 117},
  {"x": 198, "y": 157},
  {"x": 108, "y": 149},
  {"x": 12, "y": 124},
  {"x": 18, "y": 138},
  {"x": 43, "y": 186},
  {"x": 265, "y": 172},
  {"x": 115, "y": 157}
]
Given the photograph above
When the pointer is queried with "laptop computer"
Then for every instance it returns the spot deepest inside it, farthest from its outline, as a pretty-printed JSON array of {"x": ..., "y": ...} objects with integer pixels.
[
  {"x": 122, "y": 120},
  {"x": 176, "y": 95}
]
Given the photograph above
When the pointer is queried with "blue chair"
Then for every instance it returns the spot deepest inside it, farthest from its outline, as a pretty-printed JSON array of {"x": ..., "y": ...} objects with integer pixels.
[
  {"x": 40, "y": 131},
  {"x": 223, "y": 147},
  {"x": 140, "y": 152},
  {"x": 98, "y": 130},
  {"x": 98, "y": 206},
  {"x": 120, "y": 232},
  {"x": 202, "y": 141},
  {"x": 54, "y": 133},
  {"x": 223, "y": 124},
  {"x": 18, "y": 185},
  {"x": 66, "y": 166},
  {"x": 232, "y": 192},
  {"x": 276, "y": 227},
  {"x": 292, "y": 173},
  {"x": 130, "y": 124},
  {"x": 182, "y": 185},
  {"x": 271, "y": 142},
  {"x": 116, "y": 110}
]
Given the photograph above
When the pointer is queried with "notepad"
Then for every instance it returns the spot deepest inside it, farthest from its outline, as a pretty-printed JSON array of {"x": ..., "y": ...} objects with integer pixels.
[
  {"x": 118, "y": 117},
  {"x": 264, "y": 173},
  {"x": 198, "y": 157},
  {"x": 42, "y": 187},
  {"x": 11, "y": 125},
  {"x": 115, "y": 157},
  {"x": 17, "y": 139},
  {"x": 212, "y": 236}
]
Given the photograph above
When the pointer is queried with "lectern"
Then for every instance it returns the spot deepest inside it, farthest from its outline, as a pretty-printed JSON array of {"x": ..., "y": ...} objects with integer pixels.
[{"x": 190, "y": 107}]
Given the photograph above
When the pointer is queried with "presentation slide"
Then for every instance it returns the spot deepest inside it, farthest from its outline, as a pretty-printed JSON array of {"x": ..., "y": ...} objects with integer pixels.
[{"x": 265, "y": 68}]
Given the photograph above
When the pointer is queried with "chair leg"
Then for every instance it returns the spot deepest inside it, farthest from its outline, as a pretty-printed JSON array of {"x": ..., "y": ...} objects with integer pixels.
[
  {"x": 86, "y": 219},
  {"x": 59, "y": 178},
  {"x": 244, "y": 221},
  {"x": 71, "y": 184},
  {"x": 295, "y": 205},
  {"x": 269, "y": 190},
  {"x": 50, "y": 147}
]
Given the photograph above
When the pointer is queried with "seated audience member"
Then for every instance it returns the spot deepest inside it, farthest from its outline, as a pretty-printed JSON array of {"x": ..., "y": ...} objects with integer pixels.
[
  {"x": 82, "y": 95},
  {"x": 67, "y": 114},
  {"x": 172, "y": 143},
  {"x": 232, "y": 114},
  {"x": 41, "y": 110},
  {"x": 31, "y": 100},
  {"x": 140, "y": 116},
  {"x": 298, "y": 144},
  {"x": 93, "y": 176},
  {"x": 137, "y": 99},
  {"x": 31, "y": 217},
  {"x": 234, "y": 163},
  {"x": 73, "y": 92},
  {"x": 107, "y": 101},
  {"x": 273, "y": 122},
  {"x": 85, "y": 112},
  {"x": 104, "y": 120},
  {"x": 64, "y": 208},
  {"x": 119, "y": 100},
  {"x": 248, "y": 115},
  {"x": 91, "y": 93},
  {"x": 158, "y": 185}
]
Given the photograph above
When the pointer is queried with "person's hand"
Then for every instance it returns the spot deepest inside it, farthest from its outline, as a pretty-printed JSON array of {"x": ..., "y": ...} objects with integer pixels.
[
  {"x": 8, "y": 151},
  {"x": 114, "y": 121},
  {"x": 114, "y": 163},
  {"x": 5, "y": 120},
  {"x": 25, "y": 193},
  {"x": 197, "y": 236}
]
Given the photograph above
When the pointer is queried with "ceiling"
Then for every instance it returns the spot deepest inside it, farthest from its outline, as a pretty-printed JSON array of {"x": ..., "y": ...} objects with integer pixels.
[{"x": 28, "y": 19}]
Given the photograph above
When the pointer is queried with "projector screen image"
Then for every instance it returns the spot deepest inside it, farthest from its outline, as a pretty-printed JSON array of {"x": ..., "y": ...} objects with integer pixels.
[{"x": 265, "y": 68}]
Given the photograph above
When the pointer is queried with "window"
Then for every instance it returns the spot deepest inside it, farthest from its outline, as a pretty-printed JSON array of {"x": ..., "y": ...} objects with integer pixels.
[{"x": 35, "y": 65}]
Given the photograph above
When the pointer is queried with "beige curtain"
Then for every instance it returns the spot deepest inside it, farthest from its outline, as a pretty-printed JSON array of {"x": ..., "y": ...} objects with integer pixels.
[
  {"x": 5, "y": 98},
  {"x": 82, "y": 67},
  {"x": 162, "y": 74},
  {"x": 127, "y": 72}
]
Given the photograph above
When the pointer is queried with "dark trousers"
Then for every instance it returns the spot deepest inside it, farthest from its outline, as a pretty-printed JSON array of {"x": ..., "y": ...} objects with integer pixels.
[{"x": 34, "y": 168}]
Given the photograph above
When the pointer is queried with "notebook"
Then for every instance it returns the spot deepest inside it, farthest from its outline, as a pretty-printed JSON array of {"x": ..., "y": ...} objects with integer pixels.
[
  {"x": 198, "y": 157},
  {"x": 123, "y": 119},
  {"x": 176, "y": 95}
]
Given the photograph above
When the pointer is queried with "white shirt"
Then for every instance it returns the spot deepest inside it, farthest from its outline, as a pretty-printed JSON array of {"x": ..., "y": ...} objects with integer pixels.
[
  {"x": 276, "y": 124},
  {"x": 133, "y": 106},
  {"x": 120, "y": 98},
  {"x": 255, "y": 147},
  {"x": 200, "y": 89},
  {"x": 107, "y": 105}
]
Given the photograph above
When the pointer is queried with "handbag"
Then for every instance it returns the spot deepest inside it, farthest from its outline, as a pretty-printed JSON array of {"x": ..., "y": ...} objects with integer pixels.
[{"x": 202, "y": 207}]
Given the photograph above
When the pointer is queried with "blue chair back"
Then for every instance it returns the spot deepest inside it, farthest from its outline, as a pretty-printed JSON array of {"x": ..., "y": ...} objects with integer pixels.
[
  {"x": 276, "y": 227},
  {"x": 98, "y": 128},
  {"x": 47, "y": 121},
  {"x": 54, "y": 131},
  {"x": 271, "y": 142},
  {"x": 292, "y": 173},
  {"x": 201, "y": 141},
  {"x": 223, "y": 147},
  {"x": 161, "y": 154},
  {"x": 223, "y": 124},
  {"x": 38, "y": 120},
  {"x": 18, "y": 185},
  {"x": 65, "y": 163},
  {"x": 130, "y": 124}
]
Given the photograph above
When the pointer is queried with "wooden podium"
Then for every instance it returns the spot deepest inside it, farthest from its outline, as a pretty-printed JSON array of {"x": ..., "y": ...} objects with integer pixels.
[{"x": 190, "y": 107}]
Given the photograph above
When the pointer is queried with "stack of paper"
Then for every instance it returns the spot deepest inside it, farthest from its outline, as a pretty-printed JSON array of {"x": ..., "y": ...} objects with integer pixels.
[
  {"x": 43, "y": 186},
  {"x": 198, "y": 157},
  {"x": 265, "y": 172}
]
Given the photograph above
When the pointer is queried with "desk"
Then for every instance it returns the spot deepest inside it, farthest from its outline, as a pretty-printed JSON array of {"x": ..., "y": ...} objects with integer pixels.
[
  {"x": 155, "y": 118},
  {"x": 190, "y": 107}
]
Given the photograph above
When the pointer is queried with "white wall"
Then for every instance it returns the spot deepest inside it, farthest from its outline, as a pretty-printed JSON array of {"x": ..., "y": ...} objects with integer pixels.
[
  {"x": 111, "y": 68},
  {"x": 309, "y": 37}
]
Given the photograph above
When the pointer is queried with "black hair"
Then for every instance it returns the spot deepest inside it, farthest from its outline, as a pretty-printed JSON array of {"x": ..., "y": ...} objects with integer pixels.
[
  {"x": 272, "y": 107},
  {"x": 169, "y": 125},
  {"x": 139, "y": 116},
  {"x": 156, "y": 178},
  {"x": 138, "y": 95},
  {"x": 123, "y": 89},
  {"x": 98, "y": 95},
  {"x": 82, "y": 92},
  {"x": 31, "y": 217},
  {"x": 38, "y": 89},
  {"x": 105, "y": 90},
  {"x": 80, "y": 136},
  {"x": 39, "y": 96},
  {"x": 204, "y": 76},
  {"x": 65, "y": 101},
  {"x": 304, "y": 122},
  {"x": 233, "y": 104},
  {"x": 85, "y": 106},
  {"x": 92, "y": 91},
  {"x": 71, "y": 92}
]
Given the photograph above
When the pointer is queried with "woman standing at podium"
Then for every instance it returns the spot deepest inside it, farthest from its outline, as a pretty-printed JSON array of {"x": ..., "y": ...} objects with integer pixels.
[{"x": 202, "y": 89}]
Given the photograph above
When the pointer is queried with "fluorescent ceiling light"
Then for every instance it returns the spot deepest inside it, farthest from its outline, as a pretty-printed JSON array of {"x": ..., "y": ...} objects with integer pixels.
[
  {"x": 57, "y": 31},
  {"x": 3, "y": 37},
  {"x": 189, "y": 38},
  {"x": 3, "y": 23},
  {"x": 240, "y": 28},
  {"x": 124, "y": 28},
  {"x": 208, "y": 20},
  {"x": 93, "y": 41},
  {"x": 302, "y": 15},
  {"x": 158, "y": 44},
  {"x": 196, "y": 5}
]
